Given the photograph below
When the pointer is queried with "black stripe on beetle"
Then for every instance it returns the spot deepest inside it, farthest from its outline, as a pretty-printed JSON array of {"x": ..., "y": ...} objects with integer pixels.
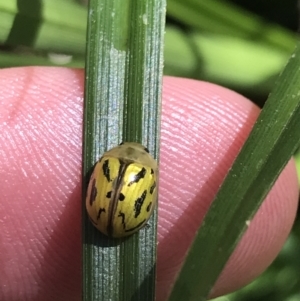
[
  {"x": 152, "y": 171},
  {"x": 122, "y": 215},
  {"x": 121, "y": 197},
  {"x": 152, "y": 188},
  {"x": 108, "y": 195},
  {"x": 146, "y": 150},
  {"x": 139, "y": 203},
  {"x": 106, "y": 170},
  {"x": 100, "y": 211},
  {"x": 121, "y": 169},
  {"x": 149, "y": 207},
  {"x": 93, "y": 193},
  {"x": 140, "y": 175}
]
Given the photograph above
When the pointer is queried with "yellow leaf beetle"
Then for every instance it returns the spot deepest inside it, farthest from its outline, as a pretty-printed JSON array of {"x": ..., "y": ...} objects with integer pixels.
[{"x": 122, "y": 191}]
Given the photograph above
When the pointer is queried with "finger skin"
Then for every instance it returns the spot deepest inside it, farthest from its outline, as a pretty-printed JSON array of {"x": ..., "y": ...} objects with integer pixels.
[{"x": 203, "y": 128}]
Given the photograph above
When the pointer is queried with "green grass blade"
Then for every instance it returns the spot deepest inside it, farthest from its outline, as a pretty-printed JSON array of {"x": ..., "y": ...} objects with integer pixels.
[
  {"x": 122, "y": 103},
  {"x": 272, "y": 142}
]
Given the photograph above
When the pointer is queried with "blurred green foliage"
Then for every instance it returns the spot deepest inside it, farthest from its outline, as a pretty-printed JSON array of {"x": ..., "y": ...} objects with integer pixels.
[{"x": 209, "y": 40}]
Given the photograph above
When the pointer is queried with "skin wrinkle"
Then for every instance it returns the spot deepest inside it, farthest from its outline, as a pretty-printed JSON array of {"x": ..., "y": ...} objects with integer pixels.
[{"x": 217, "y": 123}]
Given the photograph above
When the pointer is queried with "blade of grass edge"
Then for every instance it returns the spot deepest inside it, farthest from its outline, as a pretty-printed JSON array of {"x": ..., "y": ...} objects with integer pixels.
[
  {"x": 272, "y": 142},
  {"x": 122, "y": 103}
]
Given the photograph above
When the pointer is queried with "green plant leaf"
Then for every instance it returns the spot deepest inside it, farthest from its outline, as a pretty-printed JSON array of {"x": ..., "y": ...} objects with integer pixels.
[{"x": 122, "y": 103}]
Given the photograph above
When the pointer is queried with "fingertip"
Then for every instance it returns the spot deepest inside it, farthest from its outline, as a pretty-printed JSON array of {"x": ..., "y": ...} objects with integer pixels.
[
  {"x": 203, "y": 128},
  {"x": 41, "y": 126}
]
